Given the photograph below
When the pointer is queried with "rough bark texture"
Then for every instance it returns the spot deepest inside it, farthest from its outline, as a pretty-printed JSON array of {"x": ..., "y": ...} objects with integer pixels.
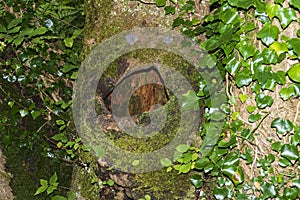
[{"x": 5, "y": 190}]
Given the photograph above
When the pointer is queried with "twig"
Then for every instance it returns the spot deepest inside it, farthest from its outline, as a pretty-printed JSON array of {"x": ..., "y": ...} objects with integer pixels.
[
  {"x": 256, "y": 127},
  {"x": 147, "y": 2},
  {"x": 297, "y": 112}
]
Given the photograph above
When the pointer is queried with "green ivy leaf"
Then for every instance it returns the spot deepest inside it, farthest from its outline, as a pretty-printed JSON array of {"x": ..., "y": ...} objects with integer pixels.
[
  {"x": 290, "y": 152},
  {"x": 241, "y": 3},
  {"x": 243, "y": 97},
  {"x": 279, "y": 47},
  {"x": 68, "y": 67},
  {"x": 295, "y": 45},
  {"x": 268, "y": 189},
  {"x": 251, "y": 109},
  {"x": 276, "y": 146},
  {"x": 295, "y": 3},
  {"x": 35, "y": 114},
  {"x": 211, "y": 44},
  {"x": 286, "y": 93},
  {"x": 185, "y": 168},
  {"x": 271, "y": 10},
  {"x": 166, "y": 162},
  {"x": 196, "y": 179},
  {"x": 160, "y": 3},
  {"x": 68, "y": 42},
  {"x": 254, "y": 117},
  {"x": 220, "y": 193},
  {"x": 57, "y": 197},
  {"x": 53, "y": 179},
  {"x": 282, "y": 126},
  {"x": 235, "y": 174},
  {"x": 263, "y": 100},
  {"x": 294, "y": 73},
  {"x": 232, "y": 66},
  {"x": 245, "y": 49},
  {"x": 182, "y": 148},
  {"x": 268, "y": 34},
  {"x": 243, "y": 78},
  {"x": 191, "y": 101},
  {"x": 295, "y": 139},
  {"x": 283, "y": 162},
  {"x": 286, "y": 16},
  {"x": 201, "y": 163},
  {"x": 230, "y": 15}
]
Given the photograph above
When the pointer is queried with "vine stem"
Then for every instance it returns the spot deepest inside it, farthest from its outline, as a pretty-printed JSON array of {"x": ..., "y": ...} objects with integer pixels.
[
  {"x": 147, "y": 2},
  {"x": 257, "y": 126}
]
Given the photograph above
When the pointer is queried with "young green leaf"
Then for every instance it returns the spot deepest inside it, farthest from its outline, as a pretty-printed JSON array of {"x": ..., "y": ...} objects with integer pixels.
[
  {"x": 268, "y": 34},
  {"x": 53, "y": 179},
  {"x": 294, "y": 73},
  {"x": 166, "y": 162},
  {"x": 182, "y": 148},
  {"x": 263, "y": 100}
]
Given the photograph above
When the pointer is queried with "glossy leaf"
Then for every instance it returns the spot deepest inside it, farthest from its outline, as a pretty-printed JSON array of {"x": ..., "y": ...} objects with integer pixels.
[
  {"x": 286, "y": 16},
  {"x": 279, "y": 47},
  {"x": 263, "y": 100},
  {"x": 246, "y": 50},
  {"x": 290, "y": 152},
  {"x": 283, "y": 162},
  {"x": 241, "y": 3},
  {"x": 294, "y": 73},
  {"x": 268, "y": 189},
  {"x": 35, "y": 114},
  {"x": 286, "y": 93},
  {"x": 243, "y": 78},
  {"x": 295, "y": 45},
  {"x": 268, "y": 34},
  {"x": 282, "y": 126},
  {"x": 235, "y": 174},
  {"x": 232, "y": 66},
  {"x": 220, "y": 193},
  {"x": 271, "y": 9},
  {"x": 196, "y": 179},
  {"x": 295, "y": 3},
  {"x": 201, "y": 163}
]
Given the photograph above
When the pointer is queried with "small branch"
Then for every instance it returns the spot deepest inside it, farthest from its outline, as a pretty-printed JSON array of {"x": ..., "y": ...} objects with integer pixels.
[
  {"x": 297, "y": 112},
  {"x": 147, "y": 2},
  {"x": 256, "y": 127}
]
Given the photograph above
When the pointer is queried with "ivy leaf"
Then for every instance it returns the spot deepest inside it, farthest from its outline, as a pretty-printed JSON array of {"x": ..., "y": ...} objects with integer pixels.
[
  {"x": 286, "y": 93},
  {"x": 232, "y": 66},
  {"x": 191, "y": 101},
  {"x": 294, "y": 73},
  {"x": 290, "y": 152},
  {"x": 53, "y": 179},
  {"x": 271, "y": 10},
  {"x": 211, "y": 44},
  {"x": 182, "y": 148},
  {"x": 268, "y": 189},
  {"x": 295, "y": 45},
  {"x": 201, "y": 163},
  {"x": 185, "y": 168},
  {"x": 245, "y": 49},
  {"x": 254, "y": 117},
  {"x": 243, "y": 78},
  {"x": 235, "y": 174},
  {"x": 286, "y": 16},
  {"x": 268, "y": 34},
  {"x": 68, "y": 42},
  {"x": 282, "y": 126},
  {"x": 196, "y": 179},
  {"x": 241, "y": 3},
  {"x": 295, "y": 3},
  {"x": 263, "y": 100},
  {"x": 160, "y": 3},
  {"x": 230, "y": 16},
  {"x": 279, "y": 47},
  {"x": 35, "y": 114},
  {"x": 166, "y": 162},
  {"x": 220, "y": 193},
  {"x": 276, "y": 146}
]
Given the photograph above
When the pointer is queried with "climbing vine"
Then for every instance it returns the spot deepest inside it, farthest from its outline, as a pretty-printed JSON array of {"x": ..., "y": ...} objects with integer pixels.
[{"x": 248, "y": 41}]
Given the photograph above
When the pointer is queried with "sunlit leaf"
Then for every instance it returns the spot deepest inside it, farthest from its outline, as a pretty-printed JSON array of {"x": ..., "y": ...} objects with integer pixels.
[
  {"x": 166, "y": 162},
  {"x": 294, "y": 73},
  {"x": 286, "y": 16},
  {"x": 290, "y": 152},
  {"x": 182, "y": 148},
  {"x": 268, "y": 34}
]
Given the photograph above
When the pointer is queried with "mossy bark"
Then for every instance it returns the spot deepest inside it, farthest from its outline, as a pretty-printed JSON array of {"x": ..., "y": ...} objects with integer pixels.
[{"x": 105, "y": 18}]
